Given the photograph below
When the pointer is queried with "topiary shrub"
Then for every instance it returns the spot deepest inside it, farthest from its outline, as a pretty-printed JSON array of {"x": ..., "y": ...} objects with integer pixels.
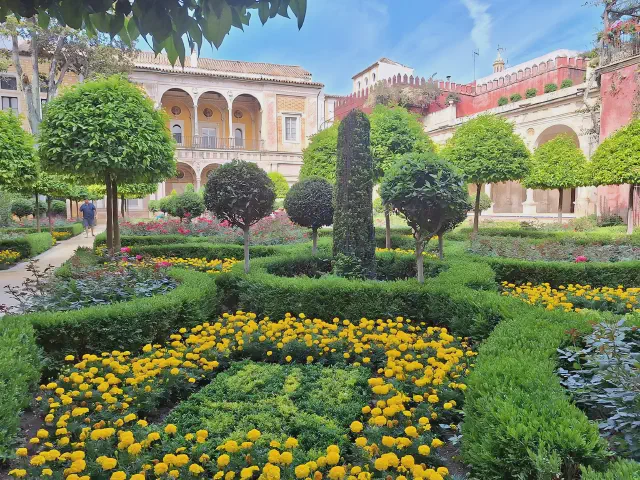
[
  {"x": 281, "y": 184},
  {"x": 189, "y": 204},
  {"x": 531, "y": 92},
  {"x": 353, "y": 233},
  {"x": 22, "y": 207},
  {"x": 502, "y": 101},
  {"x": 485, "y": 201},
  {"x": 242, "y": 194},
  {"x": 516, "y": 97},
  {"x": 309, "y": 203},
  {"x": 550, "y": 87},
  {"x": 566, "y": 83},
  {"x": 154, "y": 206},
  {"x": 58, "y": 207}
]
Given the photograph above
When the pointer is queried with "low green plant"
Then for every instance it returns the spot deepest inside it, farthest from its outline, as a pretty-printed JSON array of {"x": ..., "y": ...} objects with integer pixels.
[
  {"x": 610, "y": 220},
  {"x": 503, "y": 101},
  {"x": 618, "y": 470},
  {"x": 281, "y": 184},
  {"x": 550, "y": 87},
  {"x": 516, "y": 97},
  {"x": 58, "y": 207},
  {"x": 22, "y": 207},
  {"x": 566, "y": 83},
  {"x": 531, "y": 92},
  {"x": 188, "y": 205}
]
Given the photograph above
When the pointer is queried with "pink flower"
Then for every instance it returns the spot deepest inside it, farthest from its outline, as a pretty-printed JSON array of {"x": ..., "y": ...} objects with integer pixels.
[
  {"x": 139, "y": 258},
  {"x": 581, "y": 259},
  {"x": 125, "y": 250}
]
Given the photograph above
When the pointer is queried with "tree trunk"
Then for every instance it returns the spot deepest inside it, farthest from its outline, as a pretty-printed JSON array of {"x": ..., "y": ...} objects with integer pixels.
[
  {"x": 246, "y": 249},
  {"x": 476, "y": 210},
  {"x": 630, "y": 210},
  {"x": 77, "y": 210},
  {"x": 314, "y": 236},
  {"x": 37, "y": 213},
  {"x": 387, "y": 225},
  {"x": 109, "y": 215},
  {"x": 441, "y": 246},
  {"x": 122, "y": 205},
  {"x": 116, "y": 225},
  {"x": 49, "y": 202},
  {"x": 419, "y": 258},
  {"x": 561, "y": 190}
]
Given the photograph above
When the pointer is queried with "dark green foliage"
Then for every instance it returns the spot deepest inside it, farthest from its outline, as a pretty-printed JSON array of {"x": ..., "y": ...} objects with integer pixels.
[
  {"x": 314, "y": 404},
  {"x": 485, "y": 201},
  {"x": 280, "y": 183},
  {"x": 309, "y": 204},
  {"x": 72, "y": 229},
  {"x": 19, "y": 374},
  {"x": 531, "y": 92},
  {"x": 353, "y": 234},
  {"x": 550, "y": 87},
  {"x": 566, "y": 83},
  {"x": 201, "y": 250},
  {"x": 558, "y": 163},
  {"x": 502, "y": 101},
  {"x": 188, "y": 204},
  {"x": 617, "y": 470},
  {"x": 319, "y": 158},
  {"x": 29, "y": 245},
  {"x": 18, "y": 164},
  {"x": 516, "y": 97},
  {"x": 22, "y": 207},
  {"x": 58, "y": 207}
]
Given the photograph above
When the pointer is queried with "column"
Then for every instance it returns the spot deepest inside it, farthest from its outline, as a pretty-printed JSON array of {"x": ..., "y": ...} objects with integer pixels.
[
  {"x": 487, "y": 191},
  {"x": 230, "y": 120},
  {"x": 529, "y": 206}
]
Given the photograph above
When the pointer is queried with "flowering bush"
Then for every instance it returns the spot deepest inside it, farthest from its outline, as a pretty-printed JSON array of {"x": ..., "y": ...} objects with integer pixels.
[
  {"x": 94, "y": 412},
  {"x": 8, "y": 257},
  {"x": 576, "y": 297},
  {"x": 401, "y": 251},
  {"x": 199, "y": 264},
  {"x": 61, "y": 235}
]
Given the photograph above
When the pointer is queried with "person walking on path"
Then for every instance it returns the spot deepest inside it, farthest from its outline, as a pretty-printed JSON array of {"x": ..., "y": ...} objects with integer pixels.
[{"x": 88, "y": 217}]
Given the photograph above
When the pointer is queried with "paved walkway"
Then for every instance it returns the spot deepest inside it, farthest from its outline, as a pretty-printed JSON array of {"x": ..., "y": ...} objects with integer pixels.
[{"x": 55, "y": 256}]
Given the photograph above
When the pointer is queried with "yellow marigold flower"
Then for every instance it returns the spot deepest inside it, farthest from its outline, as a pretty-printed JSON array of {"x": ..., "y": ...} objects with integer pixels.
[
  {"x": 22, "y": 452},
  {"x": 46, "y": 472},
  {"x": 337, "y": 473},
  {"x": 302, "y": 471},
  {"x": 253, "y": 435},
  {"x": 118, "y": 476},
  {"x": 435, "y": 443},
  {"x": 223, "y": 460},
  {"x": 381, "y": 464},
  {"x": 290, "y": 443},
  {"x": 195, "y": 469},
  {"x": 160, "y": 468},
  {"x": 356, "y": 427},
  {"x": 424, "y": 450},
  {"x": 170, "y": 429},
  {"x": 109, "y": 463}
]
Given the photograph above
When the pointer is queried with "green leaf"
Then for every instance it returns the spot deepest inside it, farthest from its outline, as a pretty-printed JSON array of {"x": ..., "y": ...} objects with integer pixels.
[
  {"x": 299, "y": 9},
  {"x": 283, "y": 10},
  {"x": 275, "y": 6},
  {"x": 100, "y": 22},
  {"x": 43, "y": 19},
  {"x": 116, "y": 22},
  {"x": 72, "y": 13},
  {"x": 263, "y": 11},
  {"x": 216, "y": 28},
  {"x": 178, "y": 45},
  {"x": 236, "y": 20},
  {"x": 132, "y": 29},
  {"x": 195, "y": 33}
]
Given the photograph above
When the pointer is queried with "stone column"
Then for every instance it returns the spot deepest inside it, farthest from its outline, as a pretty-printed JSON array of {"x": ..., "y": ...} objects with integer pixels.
[
  {"x": 529, "y": 206},
  {"x": 230, "y": 100},
  {"x": 487, "y": 191}
]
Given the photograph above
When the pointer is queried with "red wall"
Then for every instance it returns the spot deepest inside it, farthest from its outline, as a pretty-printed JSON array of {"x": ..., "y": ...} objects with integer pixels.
[{"x": 617, "y": 90}]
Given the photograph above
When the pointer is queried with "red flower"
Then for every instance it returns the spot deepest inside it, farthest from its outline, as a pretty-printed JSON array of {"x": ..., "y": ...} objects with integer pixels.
[{"x": 581, "y": 259}]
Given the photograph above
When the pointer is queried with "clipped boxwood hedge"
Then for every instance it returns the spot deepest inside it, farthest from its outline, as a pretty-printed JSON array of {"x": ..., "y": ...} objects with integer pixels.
[
  {"x": 29, "y": 245},
  {"x": 136, "y": 240},
  {"x": 203, "y": 250},
  {"x": 73, "y": 229}
]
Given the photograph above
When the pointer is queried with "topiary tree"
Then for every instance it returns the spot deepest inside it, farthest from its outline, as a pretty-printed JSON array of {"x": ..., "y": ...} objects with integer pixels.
[
  {"x": 18, "y": 162},
  {"x": 319, "y": 158},
  {"x": 617, "y": 162},
  {"x": 309, "y": 203},
  {"x": 395, "y": 132},
  {"x": 242, "y": 194},
  {"x": 189, "y": 205},
  {"x": 131, "y": 191},
  {"x": 282, "y": 186},
  {"x": 22, "y": 207},
  {"x": 107, "y": 131},
  {"x": 487, "y": 151},
  {"x": 560, "y": 164},
  {"x": 59, "y": 208},
  {"x": 429, "y": 193},
  {"x": 353, "y": 234}
]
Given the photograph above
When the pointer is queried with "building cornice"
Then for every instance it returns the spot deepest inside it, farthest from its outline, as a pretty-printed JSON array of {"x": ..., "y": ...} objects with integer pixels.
[{"x": 611, "y": 67}]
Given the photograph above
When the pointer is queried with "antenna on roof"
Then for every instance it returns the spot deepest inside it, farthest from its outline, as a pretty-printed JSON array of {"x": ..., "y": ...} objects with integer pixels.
[{"x": 476, "y": 53}]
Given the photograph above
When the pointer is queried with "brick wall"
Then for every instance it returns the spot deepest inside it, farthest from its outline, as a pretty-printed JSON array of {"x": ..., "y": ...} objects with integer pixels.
[{"x": 290, "y": 104}]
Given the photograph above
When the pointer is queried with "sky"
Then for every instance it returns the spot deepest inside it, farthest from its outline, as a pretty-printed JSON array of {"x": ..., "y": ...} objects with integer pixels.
[{"x": 342, "y": 37}]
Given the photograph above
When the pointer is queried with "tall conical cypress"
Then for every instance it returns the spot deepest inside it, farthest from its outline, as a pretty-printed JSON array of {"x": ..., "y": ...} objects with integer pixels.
[{"x": 353, "y": 233}]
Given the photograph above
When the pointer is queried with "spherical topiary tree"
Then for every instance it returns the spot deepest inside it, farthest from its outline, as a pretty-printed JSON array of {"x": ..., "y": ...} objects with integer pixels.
[
  {"x": 18, "y": 162},
  {"x": 281, "y": 184},
  {"x": 560, "y": 164},
  {"x": 487, "y": 150},
  {"x": 319, "y": 158},
  {"x": 22, "y": 207},
  {"x": 189, "y": 205},
  {"x": 430, "y": 194},
  {"x": 107, "y": 131},
  {"x": 353, "y": 234},
  {"x": 242, "y": 194},
  {"x": 309, "y": 203},
  {"x": 617, "y": 162}
]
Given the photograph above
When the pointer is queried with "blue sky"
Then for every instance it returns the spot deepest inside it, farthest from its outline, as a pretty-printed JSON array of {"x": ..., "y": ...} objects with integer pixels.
[{"x": 342, "y": 37}]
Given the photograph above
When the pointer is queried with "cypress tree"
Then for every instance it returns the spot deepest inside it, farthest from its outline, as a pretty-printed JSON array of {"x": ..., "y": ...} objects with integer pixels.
[{"x": 353, "y": 233}]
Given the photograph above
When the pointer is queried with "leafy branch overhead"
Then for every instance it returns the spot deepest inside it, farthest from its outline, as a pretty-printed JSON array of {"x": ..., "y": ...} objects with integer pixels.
[{"x": 162, "y": 23}]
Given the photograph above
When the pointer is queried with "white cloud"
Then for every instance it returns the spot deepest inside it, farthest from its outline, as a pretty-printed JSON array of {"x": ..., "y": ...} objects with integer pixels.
[{"x": 481, "y": 32}]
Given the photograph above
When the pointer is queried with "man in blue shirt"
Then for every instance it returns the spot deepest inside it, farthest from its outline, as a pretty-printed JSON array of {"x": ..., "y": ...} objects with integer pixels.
[{"x": 88, "y": 217}]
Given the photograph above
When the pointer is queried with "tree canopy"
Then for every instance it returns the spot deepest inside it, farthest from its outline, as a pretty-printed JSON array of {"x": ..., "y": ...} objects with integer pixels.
[
  {"x": 18, "y": 161},
  {"x": 281, "y": 184},
  {"x": 559, "y": 163},
  {"x": 617, "y": 160},
  {"x": 319, "y": 158},
  {"x": 165, "y": 22}
]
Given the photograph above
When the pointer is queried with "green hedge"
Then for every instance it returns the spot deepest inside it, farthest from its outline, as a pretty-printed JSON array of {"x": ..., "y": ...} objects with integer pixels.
[
  {"x": 127, "y": 325},
  {"x": 136, "y": 240},
  {"x": 19, "y": 374},
  {"x": 73, "y": 229},
  {"x": 203, "y": 250},
  {"x": 561, "y": 273},
  {"x": 618, "y": 470},
  {"x": 30, "y": 245}
]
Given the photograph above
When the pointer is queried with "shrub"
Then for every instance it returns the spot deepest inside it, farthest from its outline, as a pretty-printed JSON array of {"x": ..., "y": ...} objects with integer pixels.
[
  {"x": 22, "y": 207},
  {"x": 485, "y": 201},
  {"x": 319, "y": 158},
  {"x": 531, "y": 92},
  {"x": 502, "y": 101},
  {"x": 154, "y": 206},
  {"x": 189, "y": 205},
  {"x": 618, "y": 470},
  {"x": 201, "y": 250},
  {"x": 610, "y": 220},
  {"x": 58, "y": 207},
  {"x": 566, "y": 83},
  {"x": 550, "y": 87},
  {"x": 242, "y": 194},
  {"x": 29, "y": 245},
  {"x": 353, "y": 233},
  {"x": 280, "y": 183},
  {"x": 378, "y": 207},
  {"x": 516, "y": 97},
  {"x": 309, "y": 204}
]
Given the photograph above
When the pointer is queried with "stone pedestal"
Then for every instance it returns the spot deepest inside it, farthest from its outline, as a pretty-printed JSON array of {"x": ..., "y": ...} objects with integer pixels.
[{"x": 529, "y": 206}]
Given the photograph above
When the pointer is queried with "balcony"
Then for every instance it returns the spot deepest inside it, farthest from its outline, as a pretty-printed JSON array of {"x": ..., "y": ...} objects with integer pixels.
[
  {"x": 620, "y": 48},
  {"x": 216, "y": 143}
]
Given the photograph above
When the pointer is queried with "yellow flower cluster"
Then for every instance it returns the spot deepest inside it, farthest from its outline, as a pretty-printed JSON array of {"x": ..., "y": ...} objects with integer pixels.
[
  {"x": 200, "y": 264},
  {"x": 575, "y": 297},
  {"x": 8, "y": 257},
  {"x": 93, "y": 430},
  {"x": 61, "y": 235},
  {"x": 400, "y": 251}
]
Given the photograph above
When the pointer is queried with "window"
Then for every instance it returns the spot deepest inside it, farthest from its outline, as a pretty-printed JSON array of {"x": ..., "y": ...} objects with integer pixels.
[
  {"x": 366, "y": 82},
  {"x": 43, "y": 103},
  {"x": 291, "y": 129},
  {"x": 8, "y": 82},
  {"x": 373, "y": 77},
  {"x": 10, "y": 103},
  {"x": 176, "y": 130},
  {"x": 208, "y": 137},
  {"x": 239, "y": 138},
  {"x": 358, "y": 85}
]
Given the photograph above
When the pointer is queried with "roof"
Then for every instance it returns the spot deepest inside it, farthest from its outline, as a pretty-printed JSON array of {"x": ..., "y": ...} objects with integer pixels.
[
  {"x": 228, "y": 69},
  {"x": 381, "y": 60}
]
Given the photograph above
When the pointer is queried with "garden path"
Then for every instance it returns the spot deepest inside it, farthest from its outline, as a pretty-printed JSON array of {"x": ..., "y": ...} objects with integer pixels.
[{"x": 55, "y": 256}]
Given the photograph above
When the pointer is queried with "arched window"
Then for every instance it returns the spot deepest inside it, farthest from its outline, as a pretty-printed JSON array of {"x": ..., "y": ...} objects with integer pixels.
[
  {"x": 366, "y": 82},
  {"x": 359, "y": 86},
  {"x": 239, "y": 136},
  {"x": 176, "y": 130},
  {"x": 373, "y": 78}
]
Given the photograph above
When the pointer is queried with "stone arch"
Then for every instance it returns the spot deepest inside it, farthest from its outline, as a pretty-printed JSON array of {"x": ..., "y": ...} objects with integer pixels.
[
  {"x": 212, "y": 118},
  {"x": 553, "y": 131},
  {"x": 178, "y": 104},
  {"x": 206, "y": 171},
  {"x": 186, "y": 174},
  {"x": 246, "y": 130}
]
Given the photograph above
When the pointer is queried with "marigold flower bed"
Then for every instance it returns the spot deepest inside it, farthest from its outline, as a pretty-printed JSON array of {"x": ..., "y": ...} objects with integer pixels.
[
  {"x": 94, "y": 412},
  {"x": 8, "y": 257},
  {"x": 199, "y": 264},
  {"x": 575, "y": 297}
]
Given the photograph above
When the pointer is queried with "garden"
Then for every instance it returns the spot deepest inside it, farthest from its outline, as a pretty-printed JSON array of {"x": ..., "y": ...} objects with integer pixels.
[{"x": 305, "y": 343}]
